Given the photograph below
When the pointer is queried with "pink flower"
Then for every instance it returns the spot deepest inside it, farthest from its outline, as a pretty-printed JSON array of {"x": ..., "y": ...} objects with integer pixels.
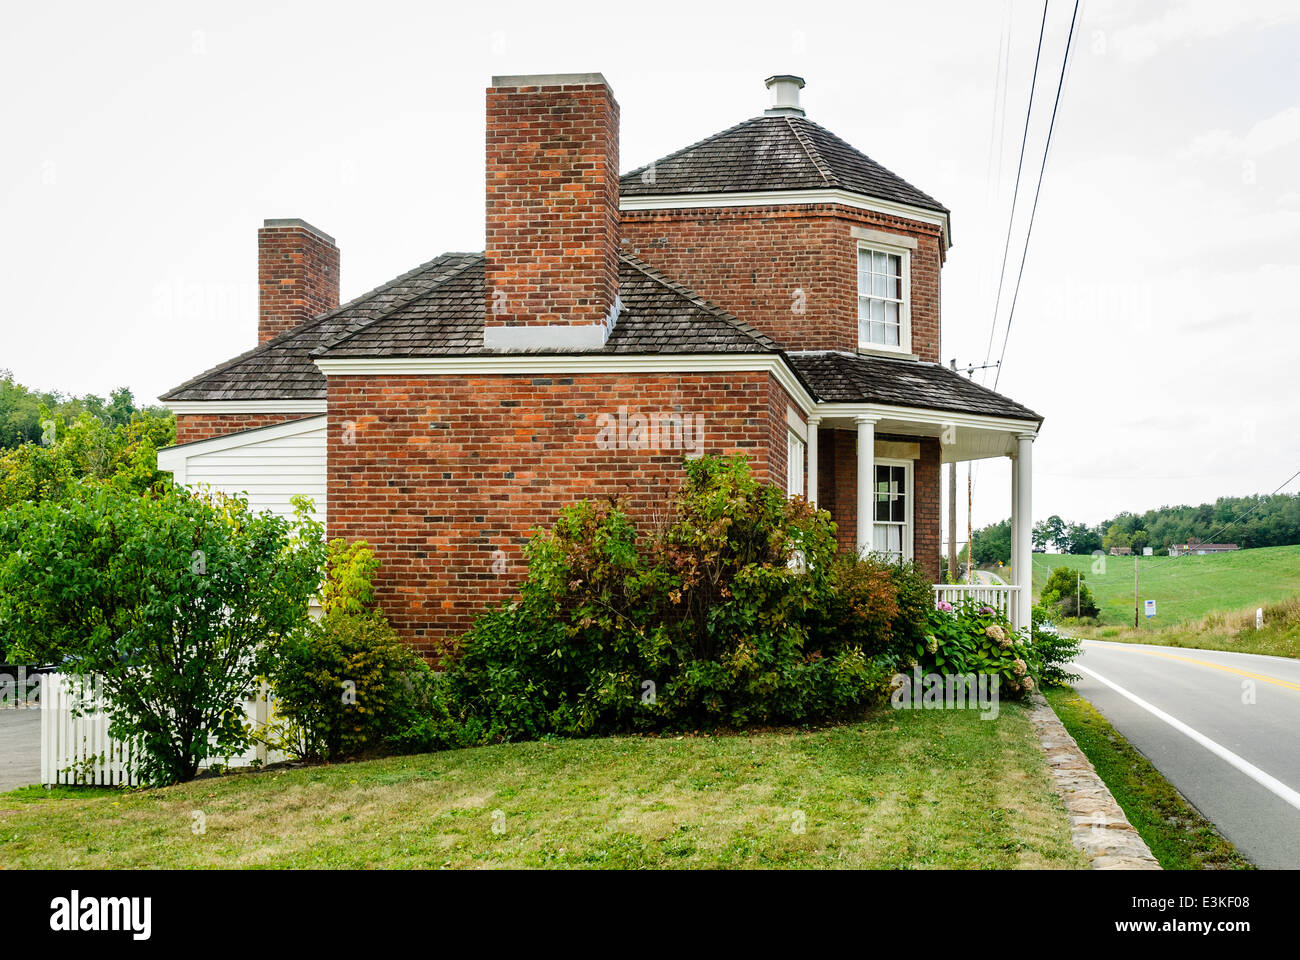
[
  {"x": 987, "y": 610},
  {"x": 945, "y": 606}
]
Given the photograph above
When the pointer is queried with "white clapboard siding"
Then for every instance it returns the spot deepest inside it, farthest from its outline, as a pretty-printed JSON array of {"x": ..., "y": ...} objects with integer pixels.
[
  {"x": 269, "y": 465},
  {"x": 76, "y": 749}
]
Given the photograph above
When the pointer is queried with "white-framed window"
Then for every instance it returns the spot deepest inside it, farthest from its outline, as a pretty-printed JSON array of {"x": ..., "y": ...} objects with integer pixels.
[
  {"x": 794, "y": 464},
  {"x": 884, "y": 317},
  {"x": 891, "y": 532}
]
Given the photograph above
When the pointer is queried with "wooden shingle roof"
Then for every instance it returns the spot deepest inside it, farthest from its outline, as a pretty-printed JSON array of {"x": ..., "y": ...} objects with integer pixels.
[
  {"x": 437, "y": 309},
  {"x": 772, "y": 153}
]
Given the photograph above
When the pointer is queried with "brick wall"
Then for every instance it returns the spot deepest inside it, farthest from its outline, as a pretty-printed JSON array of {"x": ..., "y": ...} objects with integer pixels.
[
  {"x": 202, "y": 426},
  {"x": 446, "y": 475},
  {"x": 552, "y": 204},
  {"x": 790, "y": 271},
  {"x": 927, "y": 502},
  {"x": 297, "y": 276}
]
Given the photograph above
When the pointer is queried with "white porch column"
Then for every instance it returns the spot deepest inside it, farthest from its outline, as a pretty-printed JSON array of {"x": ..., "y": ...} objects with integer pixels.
[
  {"x": 866, "y": 481},
  {"x": 811, "y": 452},
  {"x": 1015, "y": 519},
  {"x": 1024, "y": 519}
]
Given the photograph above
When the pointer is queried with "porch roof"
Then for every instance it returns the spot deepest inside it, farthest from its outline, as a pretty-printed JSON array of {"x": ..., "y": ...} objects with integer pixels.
[{"x": 837, "y": 377}]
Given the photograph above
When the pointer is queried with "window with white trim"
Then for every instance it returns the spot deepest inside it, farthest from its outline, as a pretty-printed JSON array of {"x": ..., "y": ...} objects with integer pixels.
[
  {"x": 891, "y": 534},
  {"x": 794, "y": 464},
  {"x": 882, "y": 298}
]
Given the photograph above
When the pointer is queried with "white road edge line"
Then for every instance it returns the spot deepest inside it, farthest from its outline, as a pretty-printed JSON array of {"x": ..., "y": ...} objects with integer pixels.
[{"x": 1267, "y": 781}]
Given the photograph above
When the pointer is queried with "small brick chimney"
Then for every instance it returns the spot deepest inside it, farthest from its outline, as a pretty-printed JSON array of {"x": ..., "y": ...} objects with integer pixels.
[
  {"x": 297, "y": 275},
  {"x": 552, "y": 212}
]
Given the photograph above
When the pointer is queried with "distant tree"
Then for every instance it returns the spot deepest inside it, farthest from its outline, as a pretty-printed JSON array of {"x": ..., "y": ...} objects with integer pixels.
[
  {"x": 1115, "y": 537},
  {"x": 1082, "y": 539},
  {"x": 89, "y": 447},
  {"x": 1049, "y": 532},
  {"x": 28, "y": 416},
  {"x": 992, "y": 544},
  {"x": 1066, "y": 592},
  {"x": 1139, "y": 540}
]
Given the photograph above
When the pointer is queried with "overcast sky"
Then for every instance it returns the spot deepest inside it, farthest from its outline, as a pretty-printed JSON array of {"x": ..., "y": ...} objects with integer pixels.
[{"x": 1157, "y": 324}]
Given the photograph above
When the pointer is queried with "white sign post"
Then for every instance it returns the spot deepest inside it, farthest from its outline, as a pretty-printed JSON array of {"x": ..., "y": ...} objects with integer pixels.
[{"x": 1150, "y": 609}]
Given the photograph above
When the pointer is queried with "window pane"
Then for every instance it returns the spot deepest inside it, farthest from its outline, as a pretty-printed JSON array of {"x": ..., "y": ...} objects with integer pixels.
[
  {"x": 895, "y": 266},
  {"x": 891, "y": 335},
  {"x": 878, "y": 287},
  {"x": 899, "y": 476},
  {"x": 864, "y": 308},
  {"x": 878, "y": 310},
  {"x": 877, "y": 263},
  {"x": 898, "y": 511},
  {"x": 891, "y": 313}
]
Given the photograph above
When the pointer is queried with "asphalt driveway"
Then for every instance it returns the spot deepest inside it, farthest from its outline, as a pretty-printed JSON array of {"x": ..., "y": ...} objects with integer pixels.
[{"x": 20, "y": 748}]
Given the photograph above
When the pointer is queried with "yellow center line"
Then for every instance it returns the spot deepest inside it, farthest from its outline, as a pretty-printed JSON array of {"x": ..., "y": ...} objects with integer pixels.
[{"x": 1289, "y": 684}]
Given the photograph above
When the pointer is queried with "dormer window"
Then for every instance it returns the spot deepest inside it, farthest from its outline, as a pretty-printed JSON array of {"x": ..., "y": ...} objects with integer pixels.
[{"x": 882, "y": 298}]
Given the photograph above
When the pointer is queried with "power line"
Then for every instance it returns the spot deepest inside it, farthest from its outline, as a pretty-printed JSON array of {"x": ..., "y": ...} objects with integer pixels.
[
  {"x": 1060, "y": 83},
  {"x": 1015, "y": 193}
]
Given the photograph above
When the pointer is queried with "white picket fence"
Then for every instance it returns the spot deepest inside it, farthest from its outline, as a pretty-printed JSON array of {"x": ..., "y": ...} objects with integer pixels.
[
  {"x": 1001, "y": 597},
  {"x": 76, "y": 747}
]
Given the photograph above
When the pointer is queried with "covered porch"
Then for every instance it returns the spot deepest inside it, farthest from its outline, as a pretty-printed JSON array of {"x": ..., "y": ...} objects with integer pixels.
[{"x": 876, "y": 469}]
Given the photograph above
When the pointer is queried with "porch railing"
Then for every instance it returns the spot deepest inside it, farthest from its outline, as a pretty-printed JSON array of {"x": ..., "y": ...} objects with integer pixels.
[{"x": 1001, "y": 597}]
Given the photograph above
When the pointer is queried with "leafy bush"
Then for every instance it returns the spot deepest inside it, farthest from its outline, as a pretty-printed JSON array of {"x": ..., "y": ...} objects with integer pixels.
[
  {"x": 877, "y": 606},
  {"x": 706, "y": 623},
  {"x": 1069, "y": 596},
  {"x": 1052, "y": 649},
  {"x": 974, "y": 638},
  {"x": 346, "y": 684},
  {"x": 171, "y": 600}
]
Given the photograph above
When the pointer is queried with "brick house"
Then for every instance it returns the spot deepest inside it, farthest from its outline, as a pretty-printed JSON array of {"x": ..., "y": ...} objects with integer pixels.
[{"x": 769, "y": 291}]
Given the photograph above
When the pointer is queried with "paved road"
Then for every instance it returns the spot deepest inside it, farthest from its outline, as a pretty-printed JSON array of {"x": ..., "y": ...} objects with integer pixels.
[
  {"x": 1229, "y": 737},
  {"x": 20, "y": 748}
]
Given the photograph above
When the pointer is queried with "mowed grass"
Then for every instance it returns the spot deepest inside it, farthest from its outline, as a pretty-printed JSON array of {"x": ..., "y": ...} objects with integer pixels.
[
  {"x": 1185, "y": 588},
  {"x": 1179, "y": 837},
  {"x": 902, "y": 789}
]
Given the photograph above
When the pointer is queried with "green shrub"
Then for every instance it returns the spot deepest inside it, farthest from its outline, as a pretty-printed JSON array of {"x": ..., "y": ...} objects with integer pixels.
[
  {"x": 706, "y": 623},
  {"x": 339, "y": 686},
  {"x": 1052, "y": 649},
  {"x": 1067, "y": 593},
  {"x": 974, "y": 638},
  {"x": 346, "y": 684}
]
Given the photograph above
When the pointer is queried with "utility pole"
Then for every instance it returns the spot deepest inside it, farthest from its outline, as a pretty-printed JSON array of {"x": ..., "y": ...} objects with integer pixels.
[
  {"x": 1135, "y": 591},
  {"x": 970, "y": 484}
]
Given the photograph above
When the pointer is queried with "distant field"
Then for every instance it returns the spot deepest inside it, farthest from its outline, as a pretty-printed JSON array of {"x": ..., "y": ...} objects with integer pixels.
[{"x": 1184, "y": 588}]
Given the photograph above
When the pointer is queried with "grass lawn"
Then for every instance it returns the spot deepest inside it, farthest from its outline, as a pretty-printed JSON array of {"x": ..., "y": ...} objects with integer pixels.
[
  {"x": 1184, "y": 588},
  {"x": 902, "y": 789},
  {"x": 1179, "y": 837}
]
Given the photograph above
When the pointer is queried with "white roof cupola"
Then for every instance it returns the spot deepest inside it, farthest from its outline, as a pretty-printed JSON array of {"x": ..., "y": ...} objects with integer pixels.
[{"x": 785, "y": 95}]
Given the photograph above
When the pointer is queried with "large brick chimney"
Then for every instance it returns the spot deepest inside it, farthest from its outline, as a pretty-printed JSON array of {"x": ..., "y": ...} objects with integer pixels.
[
  {"x": 552, "y": 212},
  {"x": 297, "y": 275}
]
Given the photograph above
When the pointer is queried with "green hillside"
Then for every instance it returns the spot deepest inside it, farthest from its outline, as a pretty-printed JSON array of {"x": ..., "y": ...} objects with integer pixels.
[{"x": 1184, "y": 588}]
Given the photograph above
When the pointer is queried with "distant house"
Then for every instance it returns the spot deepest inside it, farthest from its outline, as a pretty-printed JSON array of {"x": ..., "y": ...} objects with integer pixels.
[
  {"x": 1200, "y": 549},
  {"x": 1121, "y": 551}
]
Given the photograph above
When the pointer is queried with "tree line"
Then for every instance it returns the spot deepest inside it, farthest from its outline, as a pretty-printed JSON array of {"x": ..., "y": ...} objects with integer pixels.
[
  {"x": 33, "y": 416},
  {"x": 1262, "y": 520}
]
